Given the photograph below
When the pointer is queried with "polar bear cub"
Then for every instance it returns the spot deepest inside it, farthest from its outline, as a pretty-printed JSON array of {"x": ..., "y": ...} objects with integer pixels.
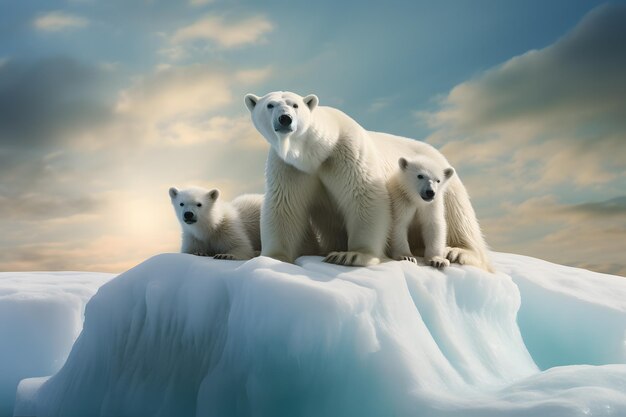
[
  {"x": 212, "y": 227},
  {"x": 416, "y": 192}
]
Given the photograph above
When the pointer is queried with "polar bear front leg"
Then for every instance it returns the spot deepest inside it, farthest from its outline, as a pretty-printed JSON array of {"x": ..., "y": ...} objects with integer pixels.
[
  {"x": 284, "y": 215},
  {"x": 233, "y": 256},
  {"x": 466, "y": 243},
  {"x": 398, "y": 240},
  {"x": 328, "y": 223},
  {"x": 193, "y": 246},
  {"x": 434, "y": 232},
  {"x": 367, "y": 216},
  {"x": 242, "y": 249}
]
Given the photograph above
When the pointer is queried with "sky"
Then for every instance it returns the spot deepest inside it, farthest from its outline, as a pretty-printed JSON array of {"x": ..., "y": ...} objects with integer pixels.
[{"x": 104, "y": 105}]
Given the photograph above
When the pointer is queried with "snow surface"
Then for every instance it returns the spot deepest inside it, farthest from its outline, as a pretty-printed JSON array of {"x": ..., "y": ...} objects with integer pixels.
[
  {"x": 184, "y": 335},
  {"x": 41, "y": 314}
]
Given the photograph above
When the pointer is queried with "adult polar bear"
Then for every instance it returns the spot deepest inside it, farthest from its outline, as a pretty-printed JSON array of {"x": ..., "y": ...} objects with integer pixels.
[{"x": 324, "y": 168}]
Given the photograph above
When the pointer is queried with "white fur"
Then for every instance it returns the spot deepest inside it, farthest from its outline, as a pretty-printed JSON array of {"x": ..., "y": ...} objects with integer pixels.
[
  {"x": 325, "y": 170},
  {"x": 221, "y": 229},
  {"x": 330, "y": 171},
  {"x": 416, "y": 192},
  {"x": 466, "y": 244}
]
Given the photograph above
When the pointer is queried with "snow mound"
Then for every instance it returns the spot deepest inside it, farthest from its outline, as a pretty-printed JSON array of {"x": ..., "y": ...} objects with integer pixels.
[
  {"x": 190, "y": 336},
  {"x": 41, "y": 314},
  {"x": 568, "y": 315}
]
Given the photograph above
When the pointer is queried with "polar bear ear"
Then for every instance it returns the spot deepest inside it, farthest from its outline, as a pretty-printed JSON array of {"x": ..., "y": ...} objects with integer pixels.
[
  {"x": 448, "y": 173},
  {"x": 173, "y": 192},
  {"x": 403, "y": 163},
  {"x": 213, "y": 194},
  {"x": 251, "y": 101},
  {"x": 311, "y": 101}
]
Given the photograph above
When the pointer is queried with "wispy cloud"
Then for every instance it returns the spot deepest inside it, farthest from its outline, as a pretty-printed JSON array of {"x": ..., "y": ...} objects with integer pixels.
[
  {"x": 559, "y": 112},
  {"x": 184, "y": 106},
  {"x": 35, "y": 207},
  {"x": 57, "y": 21},
  {"x": 43, "y": 101},
  {"x": 197, "y": 3},
  {"x": 380, "y": 104},
  {"x": 546, "y": 127},
  {"x": 224, "y": 33},
  {"x": 85, "y": 187},
  {"x": 583, "y": 235},
  {"x": 176, "y": 92}
]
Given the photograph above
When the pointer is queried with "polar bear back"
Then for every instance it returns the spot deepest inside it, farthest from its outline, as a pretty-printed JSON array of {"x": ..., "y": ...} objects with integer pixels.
[{"x": 391, "y": 148}]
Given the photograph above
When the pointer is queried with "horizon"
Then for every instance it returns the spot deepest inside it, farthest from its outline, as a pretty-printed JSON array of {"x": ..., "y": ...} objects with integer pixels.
[{"x": 104, "y": 106}]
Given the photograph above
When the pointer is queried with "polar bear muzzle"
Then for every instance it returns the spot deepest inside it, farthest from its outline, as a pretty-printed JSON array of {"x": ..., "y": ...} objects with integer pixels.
[
  {"x": 284, "y": 124},
  {"x": 428, "y": 195},
  {"x": 189, "y": 217}
]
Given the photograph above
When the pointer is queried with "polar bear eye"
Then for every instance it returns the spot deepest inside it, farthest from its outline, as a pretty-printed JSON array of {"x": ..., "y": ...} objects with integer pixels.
[
  {"x": 182, "y": 204},
  {"x": 295, "y": 106},
  {"x": 199, "y": 204},
  {"x": 420, "y": 177},
  {"x": 438, "y": 180},
  {"x": 270, "y": 106}
]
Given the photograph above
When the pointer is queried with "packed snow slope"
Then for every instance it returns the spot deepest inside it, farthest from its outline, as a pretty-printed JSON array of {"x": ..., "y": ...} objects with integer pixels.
[
  {"x": 41, "y": 314},
  {"x": 190, "y": 336}
]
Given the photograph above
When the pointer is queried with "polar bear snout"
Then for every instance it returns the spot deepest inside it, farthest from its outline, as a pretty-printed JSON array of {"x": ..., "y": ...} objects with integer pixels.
[
  {"x": 284, "y": 123},
  {"x": 189, "y": 217},
  {"x": 285, "y": 120},
  {"x": 427, "y": 195}
]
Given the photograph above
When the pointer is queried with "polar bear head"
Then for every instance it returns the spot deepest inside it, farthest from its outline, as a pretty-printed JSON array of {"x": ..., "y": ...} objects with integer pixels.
[
  {"x": 284, "y": 118},
  {"x": 423, "y": 177},
  {"x": 193, "y": 205}
]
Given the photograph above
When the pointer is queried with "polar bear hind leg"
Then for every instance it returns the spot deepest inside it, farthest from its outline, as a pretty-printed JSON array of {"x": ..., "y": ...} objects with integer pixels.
[{"x": 466, "y": 242}]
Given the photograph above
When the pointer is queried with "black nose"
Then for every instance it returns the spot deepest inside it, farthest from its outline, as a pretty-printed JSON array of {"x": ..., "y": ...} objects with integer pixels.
[
  {"x": 430, "y": 193},
  {"x": 285, "y": 120},
  {"x": 188, "y": 215}
]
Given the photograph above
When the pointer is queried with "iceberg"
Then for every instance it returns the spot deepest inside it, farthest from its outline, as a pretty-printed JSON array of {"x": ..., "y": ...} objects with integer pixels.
[
  {"x": 41, "y": 315},
  {"x": 181, "y": 335}
]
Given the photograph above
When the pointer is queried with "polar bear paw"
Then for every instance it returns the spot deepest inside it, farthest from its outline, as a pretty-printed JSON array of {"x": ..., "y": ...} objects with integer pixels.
[
  {"x": 198, "y": 253},
  {"x": 438, "y": 262},
  {"x": 351, "y": 259},
  {"x": 459, "y": 255},
  {"x": 233, "y": 256},
  {"x": 407, "y": 258},
  {"x": 227, "y": 256}
]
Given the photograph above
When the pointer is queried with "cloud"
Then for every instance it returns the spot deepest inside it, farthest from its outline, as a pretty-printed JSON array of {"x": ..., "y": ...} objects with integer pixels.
[
  {"x": 44, "y": 102},
  {"x": 556, "y": 115},
  {"x": 218, "y": 130},
  {"x": 225, "y": 34},
  {"x": 57, "y": 21},
  {"x": 176, "y": 92},
  {"x": 117, "y": 230},
  {"x": 103, "y": 254},
  {"x": 83, "y": 186},
  {"x": 380, "y": 104},
  {"x": 546, "y": 127},
  {"x": 197, "y": 3},
  {"x": 35, "y": 207},
  {"x": 587, "y": 235},
  {"x": 184, "y": 106},
  {"x": 615, "y": 206}
]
